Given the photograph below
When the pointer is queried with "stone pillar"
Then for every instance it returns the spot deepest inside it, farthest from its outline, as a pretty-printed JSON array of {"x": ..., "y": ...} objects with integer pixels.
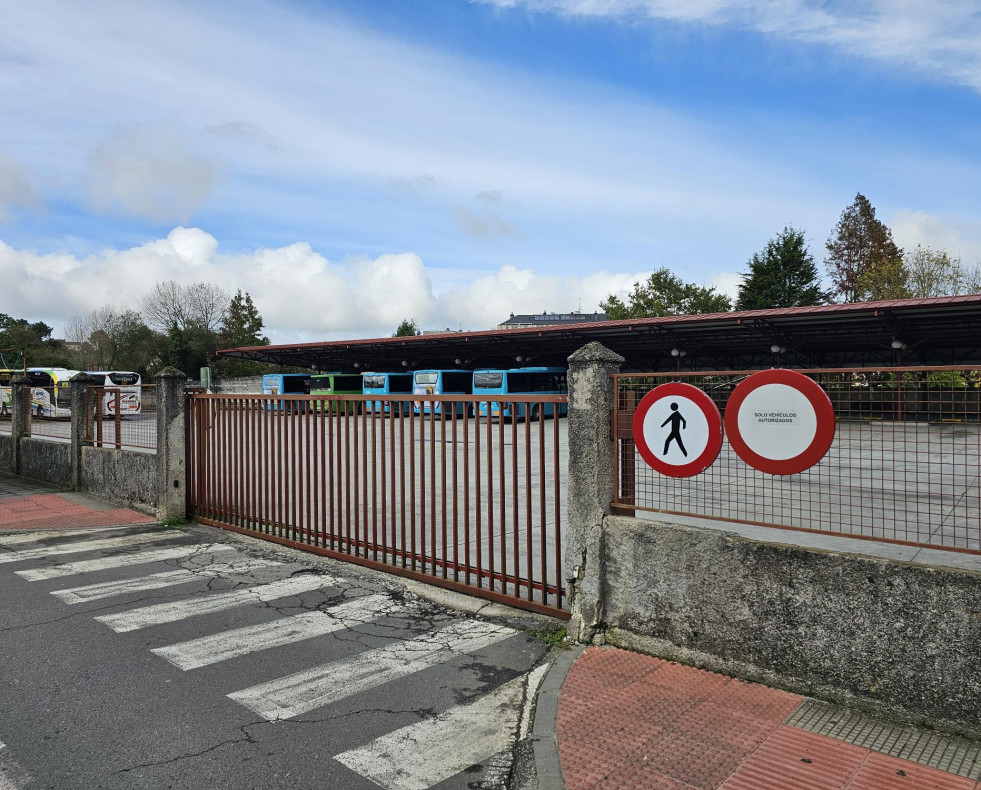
[
  {"x": 78, "y": 383},
  {"x": 591, "y": 481},
  {"x": 20, "y": 401},
  {"x": 171, "y": 463}
]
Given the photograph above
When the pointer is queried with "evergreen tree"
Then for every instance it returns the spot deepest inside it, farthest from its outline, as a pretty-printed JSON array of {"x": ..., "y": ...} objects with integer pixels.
[
  {"x": 664, "y": 293},
  {"x": 782, "y": 275},
  {"x": 408, "y": 328},
  {"x": 863, "y": 261},
  {"x": 241, "y": 328},
  {"x": 179, "y": 348}
]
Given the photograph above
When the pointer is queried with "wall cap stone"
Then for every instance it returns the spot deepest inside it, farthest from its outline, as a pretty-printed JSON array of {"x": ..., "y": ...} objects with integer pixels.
[{"x": 595, "y": 352}]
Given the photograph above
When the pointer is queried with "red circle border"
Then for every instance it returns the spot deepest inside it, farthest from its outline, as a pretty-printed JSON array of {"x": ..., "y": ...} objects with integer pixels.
[
  {"x": 712, "y": 416},
  {"x": 823, "y": 411}
]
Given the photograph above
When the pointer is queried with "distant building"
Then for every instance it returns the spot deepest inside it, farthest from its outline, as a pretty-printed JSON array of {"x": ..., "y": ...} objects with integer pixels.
[{"x": 550, "y": 319}]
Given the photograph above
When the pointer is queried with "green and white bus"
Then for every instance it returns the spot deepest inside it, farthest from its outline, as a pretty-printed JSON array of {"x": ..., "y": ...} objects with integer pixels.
[{"x": 336, "y": 384}]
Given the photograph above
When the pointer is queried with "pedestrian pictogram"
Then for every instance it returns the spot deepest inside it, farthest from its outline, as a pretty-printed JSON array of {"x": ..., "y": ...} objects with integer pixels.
[
  {"x": 780, "y": 421},
  {"x": 677, "y": 430}
]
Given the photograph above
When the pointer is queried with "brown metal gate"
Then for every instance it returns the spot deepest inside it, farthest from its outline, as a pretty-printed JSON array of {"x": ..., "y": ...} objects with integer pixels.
[{"x": 467, "y": 503}]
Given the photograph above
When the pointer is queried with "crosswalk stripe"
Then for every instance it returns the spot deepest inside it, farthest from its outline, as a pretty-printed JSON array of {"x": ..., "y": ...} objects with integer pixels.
[
  {"x": 241, "y": 641},
  {"x": 89, "y": 545},
  {"x": 418, "y": 756},
  {"x": 158, "y": 614},
  {"x": 31, "y": 537},
  {"x": 157, "y": 581},
  {"x": 119, "y": 561},
  {"x": 304, "y": 691}
]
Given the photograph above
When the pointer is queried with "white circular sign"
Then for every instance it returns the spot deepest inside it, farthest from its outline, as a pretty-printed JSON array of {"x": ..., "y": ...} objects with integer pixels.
[
  {"x": 676, "y": 430},
  {"x": 777, "y": 421}
]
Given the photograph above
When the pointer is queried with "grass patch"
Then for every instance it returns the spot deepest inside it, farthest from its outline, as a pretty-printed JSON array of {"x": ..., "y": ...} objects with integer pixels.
[{"x": 553, "y": 637}]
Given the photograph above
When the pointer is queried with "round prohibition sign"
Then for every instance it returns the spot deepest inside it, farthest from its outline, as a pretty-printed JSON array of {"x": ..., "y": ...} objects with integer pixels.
[
  {"x": 780, "y": 421},
  {"x": 677, "y": 430}
]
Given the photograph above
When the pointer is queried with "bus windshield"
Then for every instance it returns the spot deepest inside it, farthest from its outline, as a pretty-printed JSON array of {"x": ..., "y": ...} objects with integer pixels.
[
  {"x": 374, "y": 382},
  {"x": 124, "y": 379},
  {"x": 427, "y": 378},
  {"x": 487, "y": 381}
]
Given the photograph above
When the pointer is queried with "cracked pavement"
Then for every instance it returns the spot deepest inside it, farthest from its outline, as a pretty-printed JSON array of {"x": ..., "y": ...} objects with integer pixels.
[{"x": 82, "y": 706}]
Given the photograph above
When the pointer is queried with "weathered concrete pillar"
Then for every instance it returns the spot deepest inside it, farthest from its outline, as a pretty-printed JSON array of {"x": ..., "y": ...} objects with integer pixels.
[
  {"x": 171, "y": 463},
  {"x": 20, "y": 402},
  {"x": 591, "y": 481},
  {"x": 78, "y": 384}
]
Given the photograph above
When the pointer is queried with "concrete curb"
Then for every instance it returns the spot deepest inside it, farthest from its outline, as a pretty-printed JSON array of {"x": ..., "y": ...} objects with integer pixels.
[{"x": 543, "y": 735}]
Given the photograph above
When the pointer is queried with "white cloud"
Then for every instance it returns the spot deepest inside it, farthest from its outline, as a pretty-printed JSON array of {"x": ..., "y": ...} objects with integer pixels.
[
  {"x": 148, "y": 172},
  {"x": 936, "y": 38},
  {"x": 959, "y": 237}
]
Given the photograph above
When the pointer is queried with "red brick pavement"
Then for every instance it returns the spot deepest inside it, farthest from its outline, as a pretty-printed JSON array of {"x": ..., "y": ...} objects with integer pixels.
[
  {"x": 631, "y": 721},
  {"x": 53, "y": 511}
]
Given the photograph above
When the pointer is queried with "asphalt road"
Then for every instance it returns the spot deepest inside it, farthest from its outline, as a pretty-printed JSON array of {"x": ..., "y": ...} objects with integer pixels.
[{"x": 159, "y": 658}]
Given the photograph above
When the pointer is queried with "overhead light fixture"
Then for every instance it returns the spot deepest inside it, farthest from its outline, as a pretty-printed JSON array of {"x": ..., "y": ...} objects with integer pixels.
[
  {"x": 897, "y": 344},
  {"x": 677, "y": 352},
  {"x": 357, "y": 365},
  {"x": 405, "y": 364},
  {"x": 778, "y": 349},
  {"x": 518, "y": 358},
  {"x": 457, "y": 361}
]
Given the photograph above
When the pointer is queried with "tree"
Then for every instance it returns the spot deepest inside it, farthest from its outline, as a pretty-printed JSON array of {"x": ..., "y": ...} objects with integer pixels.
[
  {"x": 200, "y": 305},
  {"x": 109, "y": 339},
  {"x": 241, "y": 328},
  {"x": 664, "y": 293},
  {"x": 782, "y": 275},
  {"x": 408, "y": 328},
  {"x": 863, "y": 261},
  {"x": 934, "y": 273},
  {"x": 35, "y": 339}
]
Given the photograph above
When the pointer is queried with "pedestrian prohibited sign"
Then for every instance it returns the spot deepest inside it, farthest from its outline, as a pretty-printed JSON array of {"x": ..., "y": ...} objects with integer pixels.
[
  {"x": 780, "y": 421},
  {"x": 677, "y": 430}
]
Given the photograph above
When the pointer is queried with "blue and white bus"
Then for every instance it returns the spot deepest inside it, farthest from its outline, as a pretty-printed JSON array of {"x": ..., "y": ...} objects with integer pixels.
[
  {"x": 130, "y": 389},
  {"x": 286, "y": 384},
  {"x": 521, "y": 381},
  {"x": 440, "y": 382},
  {"x": 387, "y": 384}
]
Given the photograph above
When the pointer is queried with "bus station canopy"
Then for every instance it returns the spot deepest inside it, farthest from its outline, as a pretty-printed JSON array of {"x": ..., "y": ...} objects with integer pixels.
[{"x": 938, "y": 331}]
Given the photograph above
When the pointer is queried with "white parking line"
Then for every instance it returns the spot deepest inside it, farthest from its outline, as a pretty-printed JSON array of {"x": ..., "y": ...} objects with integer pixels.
[
  {"x": 304, "y": 691},
  {"x": 119, "y": 561},
  {"x": 421, "y": 755},
  {"x": 157, "y": 581},
  {"x": 221, "y": 647},
  {"x": 89, "y": 545},
  {"x": 159, "y": 614}
]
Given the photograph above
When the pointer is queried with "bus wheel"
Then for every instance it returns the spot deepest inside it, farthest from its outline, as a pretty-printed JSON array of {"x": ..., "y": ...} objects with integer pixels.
[{"x": 534, "y": 412}]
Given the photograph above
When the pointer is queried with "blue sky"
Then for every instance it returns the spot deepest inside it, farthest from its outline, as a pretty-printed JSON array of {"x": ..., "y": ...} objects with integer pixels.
[{"x": 350, "y": 164}]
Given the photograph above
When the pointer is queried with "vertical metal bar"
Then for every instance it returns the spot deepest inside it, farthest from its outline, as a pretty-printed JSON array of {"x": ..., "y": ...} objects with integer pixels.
[
  {"x": 383, "y": 483},
  {"x": 239, "y": 465},
  {"x": 324, "y": 515},
  {"x": 456, "y": 499},
  {"x": 477, "y": 498},
  {"x": 363, "y": 488},
  {"x": 557, "y": 501},
  {"x": 490, "y": 500},
  {"x": 374, "y": 483},
  {"x": 98, "y": 416},
  {"x": 308, "y": 412},
  {"x": 347, "y": 478},
  {"x": 432, "y": 482},
  {"x": 422, "y": 481},
  {"x": 541, "y": 499},
  {"x": 515, "y": 537},
  {"x": 402, "y": 419},
  {"x": 412, "y": 485},
  {"x": 118, "y": 419},
  {"x": 466, "y": 490},
  {"x": 528, "y": 517},
  {"x": 443, "y": 554},
  {"x": 502, "y": 493}
]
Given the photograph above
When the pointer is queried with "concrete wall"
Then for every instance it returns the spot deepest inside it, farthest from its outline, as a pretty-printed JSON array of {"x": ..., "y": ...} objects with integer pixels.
[
  {"x": 121, "y": 476},
  {"x": 888, "y": 636},
  {"x": 47, "y": 461},
  {"x": 242, "y": 385}
]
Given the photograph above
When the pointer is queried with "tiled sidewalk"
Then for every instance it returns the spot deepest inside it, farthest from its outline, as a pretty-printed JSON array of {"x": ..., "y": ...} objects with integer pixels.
[
  {"x": 631, "y": 721},
  {"x": 26, "y": 505}
]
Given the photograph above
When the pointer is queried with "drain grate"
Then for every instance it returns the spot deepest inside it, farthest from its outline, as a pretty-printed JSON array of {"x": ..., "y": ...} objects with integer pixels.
[{"x": 945, "y": 752}]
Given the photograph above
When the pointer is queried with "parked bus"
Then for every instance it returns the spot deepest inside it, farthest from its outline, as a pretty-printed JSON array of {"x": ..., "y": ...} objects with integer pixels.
[
  {"x": 51, "y": 394},
  {"x": 387, "y": 384},
  {"x": 521, "y": 381},
  {"x": 5, "y": 390},
  {"x": 286, "y": 384},
  {"x": 130, "y": 391},
  {"x": 336, "y": 384},
  {"x": 440, "y": 382}
]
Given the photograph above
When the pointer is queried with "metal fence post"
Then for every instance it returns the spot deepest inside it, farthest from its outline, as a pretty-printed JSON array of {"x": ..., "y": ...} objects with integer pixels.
[
  {"x": 171, "y": 461},
  {"x": 78, "y": 382},
  {"x": 20, "y": 403},
  {"x": 591, "y": 483}
]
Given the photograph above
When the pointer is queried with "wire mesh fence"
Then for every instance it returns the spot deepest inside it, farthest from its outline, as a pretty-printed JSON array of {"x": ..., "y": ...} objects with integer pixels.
[
  {"x": 119, "y": 417},
  {"x": 904, "y": 464}
]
